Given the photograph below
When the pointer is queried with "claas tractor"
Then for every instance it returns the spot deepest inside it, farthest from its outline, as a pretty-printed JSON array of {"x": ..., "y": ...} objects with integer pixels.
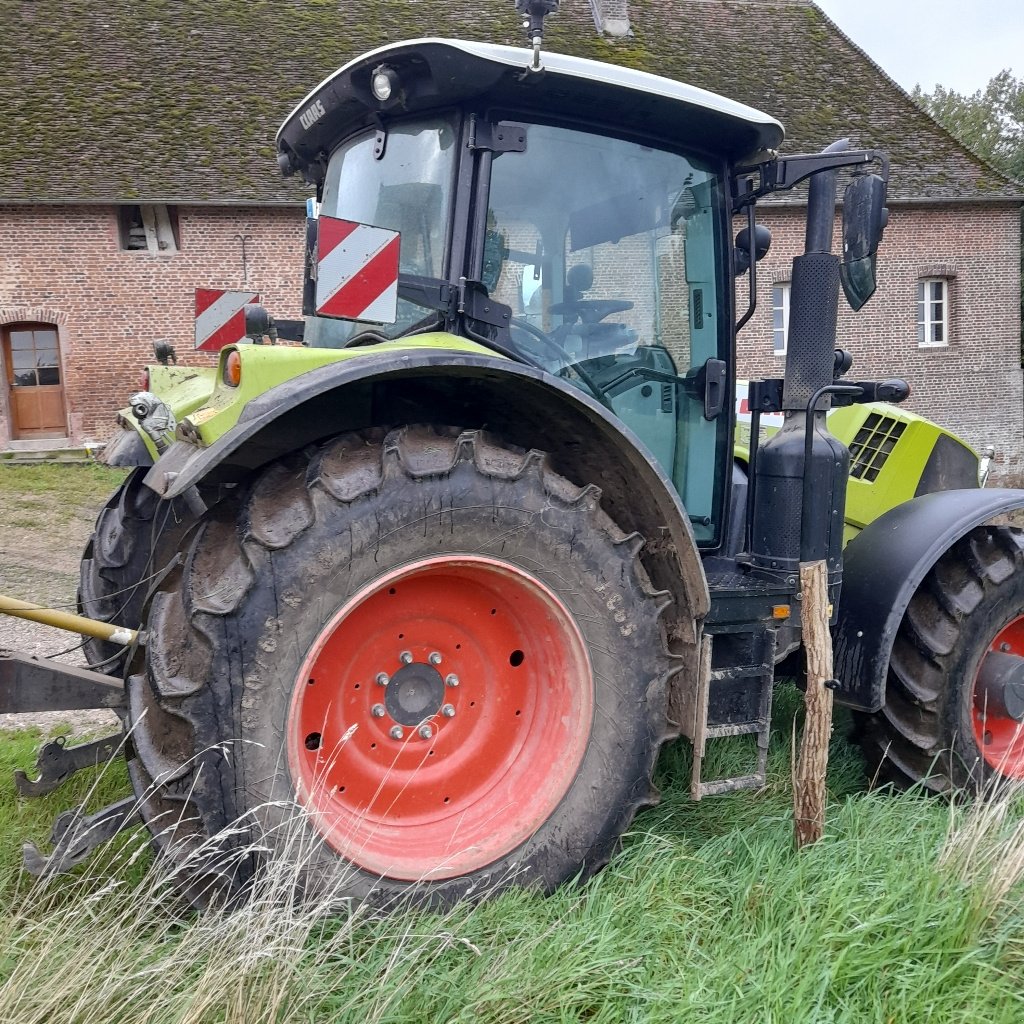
[{"x": 434, "y": 586}]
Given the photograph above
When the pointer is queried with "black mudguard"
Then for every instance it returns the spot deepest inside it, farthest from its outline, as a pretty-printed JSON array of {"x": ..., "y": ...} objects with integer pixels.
[
  {"x": 527, "y": 407},
  {"x": 882, "y": 568},
  {"x": 126, "y": 448}
]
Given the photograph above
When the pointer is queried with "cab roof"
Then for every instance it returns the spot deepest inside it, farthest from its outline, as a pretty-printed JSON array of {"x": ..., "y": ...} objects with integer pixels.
[{"x": 438, "y": 73}]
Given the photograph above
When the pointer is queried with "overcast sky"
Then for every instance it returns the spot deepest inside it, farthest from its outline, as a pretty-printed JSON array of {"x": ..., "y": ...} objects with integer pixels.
[{"x": 959, "y": 44}]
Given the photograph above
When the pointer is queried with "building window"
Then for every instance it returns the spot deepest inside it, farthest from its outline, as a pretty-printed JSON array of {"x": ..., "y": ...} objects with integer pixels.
[
  {"x": 148, "y": 227},
  {"x": 780, "y": 317},
  {"x": 932, "y": 312},
  {"x": 32, "y": 355}
]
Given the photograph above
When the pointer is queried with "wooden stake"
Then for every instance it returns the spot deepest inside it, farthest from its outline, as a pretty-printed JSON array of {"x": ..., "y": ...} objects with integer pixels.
[{"x": 810, "y": 767}]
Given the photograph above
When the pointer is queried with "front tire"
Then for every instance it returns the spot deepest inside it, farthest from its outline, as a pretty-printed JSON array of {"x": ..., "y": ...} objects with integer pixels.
[
  {"x": 136, "y": 533},
  {"x": 437, "y": 659},
  {"x": 937, "y": 727}
]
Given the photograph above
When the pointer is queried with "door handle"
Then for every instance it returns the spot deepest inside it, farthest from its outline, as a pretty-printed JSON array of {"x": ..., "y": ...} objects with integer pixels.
[{"x": 714, "y": 372}]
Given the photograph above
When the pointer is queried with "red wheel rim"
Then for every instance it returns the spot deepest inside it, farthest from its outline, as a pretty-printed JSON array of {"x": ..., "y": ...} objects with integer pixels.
[
  {"x": 999, "y": 737},
  {"x": 490, "y": 665}
]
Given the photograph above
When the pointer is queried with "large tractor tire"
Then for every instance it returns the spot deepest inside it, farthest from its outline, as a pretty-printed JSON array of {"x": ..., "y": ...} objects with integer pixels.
[
  {"x": 420, "y": 664},
  {"x": 136, "y": 533},
  {"x": 944, "y": 724}
]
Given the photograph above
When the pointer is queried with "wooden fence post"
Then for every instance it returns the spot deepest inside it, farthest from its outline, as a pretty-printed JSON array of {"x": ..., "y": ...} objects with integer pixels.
[{"x": 809, "y": 770}]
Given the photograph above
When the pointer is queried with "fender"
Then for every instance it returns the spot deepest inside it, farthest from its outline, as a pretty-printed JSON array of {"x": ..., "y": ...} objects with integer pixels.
[
  {"x": 126, "y": 448},
  {"x": 528, "y": 407},
  {"x": 882, "y": 568}
]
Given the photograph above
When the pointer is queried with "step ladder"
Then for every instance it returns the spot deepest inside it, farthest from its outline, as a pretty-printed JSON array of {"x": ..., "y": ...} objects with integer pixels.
[{"x": 759, "y": 669}]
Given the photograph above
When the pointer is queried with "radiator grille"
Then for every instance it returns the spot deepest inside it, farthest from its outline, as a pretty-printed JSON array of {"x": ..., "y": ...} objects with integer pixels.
[{"x": 872, "y": 445}]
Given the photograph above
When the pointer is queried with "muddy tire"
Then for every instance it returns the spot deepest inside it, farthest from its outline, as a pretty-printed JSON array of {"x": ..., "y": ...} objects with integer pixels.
[
  {"x": 938, "y": 727},
  {"x": 424, "y": 661},
  {"x": 135, "y": 534}
]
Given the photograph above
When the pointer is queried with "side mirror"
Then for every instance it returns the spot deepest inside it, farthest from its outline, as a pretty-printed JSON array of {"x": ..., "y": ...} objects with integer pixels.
[
  {"x": 164, "y": 352},
  {"x": 744, "y": 254},
  {"x": 258, "y": 323},
  {"x": 864, "y": 219}
]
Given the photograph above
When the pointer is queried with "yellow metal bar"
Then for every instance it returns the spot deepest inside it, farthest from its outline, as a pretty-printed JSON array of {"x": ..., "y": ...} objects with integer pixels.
[{"x": 68, "y": 621}]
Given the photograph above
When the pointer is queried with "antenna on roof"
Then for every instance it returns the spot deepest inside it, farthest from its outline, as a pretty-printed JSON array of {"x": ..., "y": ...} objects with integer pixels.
[{"x": 536, "y": 11}]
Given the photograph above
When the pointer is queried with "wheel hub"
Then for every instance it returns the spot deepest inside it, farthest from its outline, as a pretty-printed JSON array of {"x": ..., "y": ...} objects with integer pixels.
[
  {"x": 414, "y": 693},
  {"x": 998, "y": 702}
]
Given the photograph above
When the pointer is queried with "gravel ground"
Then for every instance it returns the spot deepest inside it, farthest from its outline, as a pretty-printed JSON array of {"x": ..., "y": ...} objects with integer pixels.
[{"x": 41, "y": 541}]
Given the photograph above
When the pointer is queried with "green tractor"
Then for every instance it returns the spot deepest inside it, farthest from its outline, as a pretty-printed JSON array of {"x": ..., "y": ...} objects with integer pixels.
[{"x": 434, "y": 586}]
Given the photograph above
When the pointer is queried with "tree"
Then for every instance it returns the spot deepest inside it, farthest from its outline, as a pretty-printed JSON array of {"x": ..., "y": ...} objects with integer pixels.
[{"x": 990, "y": 123}]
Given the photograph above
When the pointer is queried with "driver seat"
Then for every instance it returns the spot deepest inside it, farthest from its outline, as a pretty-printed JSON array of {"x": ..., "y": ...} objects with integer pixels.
[{"x": 578, "y": 279}]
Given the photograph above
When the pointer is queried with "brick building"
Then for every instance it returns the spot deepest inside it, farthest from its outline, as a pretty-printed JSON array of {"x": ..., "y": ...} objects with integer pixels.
[{"x": 138, "y": 164}]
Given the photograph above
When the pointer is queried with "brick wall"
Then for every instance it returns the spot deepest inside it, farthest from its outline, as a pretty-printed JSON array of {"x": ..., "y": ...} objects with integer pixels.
[
  {"x": 973, "y": 386},
  {"x": 64, "y": 265}
]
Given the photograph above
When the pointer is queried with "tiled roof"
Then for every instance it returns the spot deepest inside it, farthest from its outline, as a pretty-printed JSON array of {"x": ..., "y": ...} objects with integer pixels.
[{"x": 179, "y": 100}]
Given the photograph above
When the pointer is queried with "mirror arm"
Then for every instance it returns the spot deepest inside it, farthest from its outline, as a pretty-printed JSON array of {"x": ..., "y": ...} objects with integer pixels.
[
  {"x": 784, "y": 173},
  {"x": 752, "y": 294},
  {"x": 821, "y": 204}
]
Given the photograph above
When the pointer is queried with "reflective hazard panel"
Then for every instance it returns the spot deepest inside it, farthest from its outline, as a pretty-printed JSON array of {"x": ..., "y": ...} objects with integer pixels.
[
  {"x": 356, "y": 271},
  {"x": 220, "y": 317}
]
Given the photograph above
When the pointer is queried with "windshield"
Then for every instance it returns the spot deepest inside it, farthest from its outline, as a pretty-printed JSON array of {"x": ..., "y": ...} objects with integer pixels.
[
  {"x": 607, "y": 253},
  {"x": 407, "y": 189}
]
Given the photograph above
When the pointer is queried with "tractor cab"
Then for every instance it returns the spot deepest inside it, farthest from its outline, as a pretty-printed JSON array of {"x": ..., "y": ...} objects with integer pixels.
[{"x": 576, "y": 219}]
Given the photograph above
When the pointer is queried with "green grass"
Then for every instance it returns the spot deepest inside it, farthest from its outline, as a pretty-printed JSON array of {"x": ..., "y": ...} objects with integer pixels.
[
  {"x": 88, "y": 483},
  {"x": 41, "y": 497},
  {"x": 908, "y": 911}
]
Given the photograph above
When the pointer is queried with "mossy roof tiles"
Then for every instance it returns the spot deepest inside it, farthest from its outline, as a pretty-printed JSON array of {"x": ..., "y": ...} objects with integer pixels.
[{"x": 179, "y": 100}]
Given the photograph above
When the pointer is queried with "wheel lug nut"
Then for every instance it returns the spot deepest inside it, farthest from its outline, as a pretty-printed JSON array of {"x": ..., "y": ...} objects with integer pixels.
[
  {"x": 1004, "y": 647},
  {"x": 382, "y": 679},
  {"x": 435, "y": 658},
  {"x": 448, "y": 711},
  {"x": 396, "y": 732},
  {"x": 405, "y": 658},
  {"x": 425, "y": 732},
  {"x": 451, "y": 679},
  {"x": 378, "y": 711}
]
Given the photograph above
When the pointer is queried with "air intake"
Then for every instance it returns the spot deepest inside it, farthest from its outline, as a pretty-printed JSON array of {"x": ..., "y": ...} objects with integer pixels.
[{"x": 872, "y": 445}]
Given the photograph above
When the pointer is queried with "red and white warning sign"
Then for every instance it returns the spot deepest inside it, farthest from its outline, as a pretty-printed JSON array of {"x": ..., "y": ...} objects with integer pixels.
[
  {"x": 356, "y": 271},
  {"x": 220, "y": 317}
]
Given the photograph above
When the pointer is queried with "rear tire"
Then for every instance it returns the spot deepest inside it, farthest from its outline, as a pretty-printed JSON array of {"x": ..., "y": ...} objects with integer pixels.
[
  {"x": 135, "y": 535},
  {"x": 362, "y": 560},
  {"x": 935, "y": 728}
]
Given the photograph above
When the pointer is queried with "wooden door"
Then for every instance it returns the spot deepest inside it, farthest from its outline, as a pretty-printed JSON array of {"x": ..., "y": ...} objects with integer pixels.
[{"x": 36, "y": 393}]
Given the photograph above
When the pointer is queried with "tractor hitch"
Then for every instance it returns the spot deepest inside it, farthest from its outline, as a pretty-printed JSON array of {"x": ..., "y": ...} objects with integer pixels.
[
  {"x": 56, "y": 762},
  {"x": 75, "y": 835},
  {"x": 66, "y": 620},
  {"x": 30, "y": 684}
]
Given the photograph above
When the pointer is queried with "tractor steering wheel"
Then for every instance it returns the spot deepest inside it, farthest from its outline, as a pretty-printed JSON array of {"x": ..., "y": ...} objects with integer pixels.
[
  {"x": 591, "y": 311},
  {"x": 547, "y": 342},
  {"x": 565, "y": 360}
]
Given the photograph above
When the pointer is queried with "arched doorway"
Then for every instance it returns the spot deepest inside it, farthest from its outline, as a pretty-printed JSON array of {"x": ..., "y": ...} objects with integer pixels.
[{"x": 31, "y": 356}]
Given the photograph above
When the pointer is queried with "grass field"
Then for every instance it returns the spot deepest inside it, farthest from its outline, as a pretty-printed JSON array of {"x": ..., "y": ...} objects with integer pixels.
[{"x": 908, "y": 911}]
